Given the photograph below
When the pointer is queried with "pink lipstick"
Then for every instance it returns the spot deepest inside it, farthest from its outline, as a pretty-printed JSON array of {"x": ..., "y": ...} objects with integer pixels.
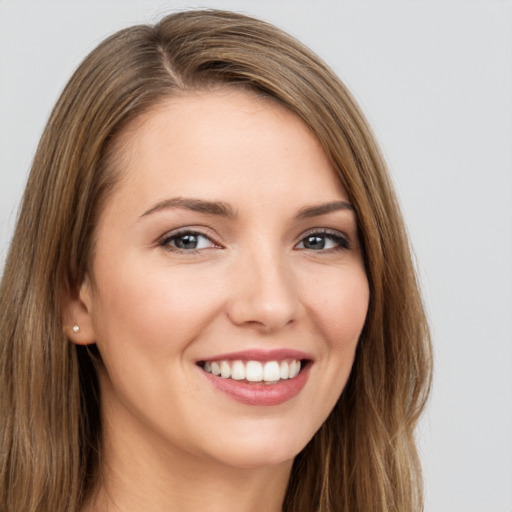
[{"x": 257, "y": 377}]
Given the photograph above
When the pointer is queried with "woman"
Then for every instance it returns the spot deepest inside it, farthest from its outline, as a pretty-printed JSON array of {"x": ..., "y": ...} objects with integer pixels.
[{"x": 209, "y": 300}]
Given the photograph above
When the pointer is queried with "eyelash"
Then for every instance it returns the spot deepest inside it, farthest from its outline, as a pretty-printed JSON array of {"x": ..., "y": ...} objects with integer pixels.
[
  {"x": 165, "y": 242},
  {"x": 341, "y": 241}
]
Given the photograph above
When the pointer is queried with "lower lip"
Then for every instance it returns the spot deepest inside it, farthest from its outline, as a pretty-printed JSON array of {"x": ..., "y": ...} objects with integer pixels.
[{"x": 259, "y": 393}]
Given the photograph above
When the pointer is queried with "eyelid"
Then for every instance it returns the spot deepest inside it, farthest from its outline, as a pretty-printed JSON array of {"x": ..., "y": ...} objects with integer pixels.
[
  {"x": 326, "y": 232},
  {"x": 343, "y": 241},
  {"x": 163, "y": 241}
]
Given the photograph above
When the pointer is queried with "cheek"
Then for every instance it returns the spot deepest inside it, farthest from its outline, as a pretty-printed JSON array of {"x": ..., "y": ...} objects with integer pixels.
[
  {"x": 340, "y": 308},
  {"x": 337, "y": 306},
  {"x": 146, "y": 326},
  {"x": 155, "y": 311}
]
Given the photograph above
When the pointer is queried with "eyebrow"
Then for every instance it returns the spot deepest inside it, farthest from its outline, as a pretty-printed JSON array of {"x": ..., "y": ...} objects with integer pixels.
[
  {"x": 323, "y": 209},
  {"x": 225, "y": 210},
  {"x": 196, "y": 205}
]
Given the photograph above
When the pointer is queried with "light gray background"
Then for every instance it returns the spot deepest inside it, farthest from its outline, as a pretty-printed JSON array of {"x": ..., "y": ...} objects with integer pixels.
[{"x": 435, "y": 80}]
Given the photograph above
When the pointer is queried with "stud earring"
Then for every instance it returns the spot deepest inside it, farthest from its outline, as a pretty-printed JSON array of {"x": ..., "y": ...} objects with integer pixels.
[{"x": 76, "y": 328}]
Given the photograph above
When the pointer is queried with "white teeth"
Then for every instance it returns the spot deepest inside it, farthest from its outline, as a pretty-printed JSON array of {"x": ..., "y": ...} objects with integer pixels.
[
  {"x": 215, "y": 368},
  {"x": 284, "y": 370},
  {"x": 225, "y": 370},
  {"x": 294, "y": 369},
  {"x": 271, "y": 371},
  {"x": 254, "y": 371},
  {"x": 238, "y": 370}
]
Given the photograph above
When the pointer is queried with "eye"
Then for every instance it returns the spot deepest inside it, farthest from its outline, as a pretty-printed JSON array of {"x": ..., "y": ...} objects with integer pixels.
[
  {"x": 186, "y": 241},
  {"x": 324, "y": 240}
]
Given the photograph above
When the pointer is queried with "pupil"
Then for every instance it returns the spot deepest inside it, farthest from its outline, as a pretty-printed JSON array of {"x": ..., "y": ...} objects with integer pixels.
[
  {"x": 314, "y": 242},
  {"x": 186, "y": 242}
]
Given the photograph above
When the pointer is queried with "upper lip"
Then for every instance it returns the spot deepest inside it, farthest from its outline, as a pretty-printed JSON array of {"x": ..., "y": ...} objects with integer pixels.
[{"x": 277, "y": 354}]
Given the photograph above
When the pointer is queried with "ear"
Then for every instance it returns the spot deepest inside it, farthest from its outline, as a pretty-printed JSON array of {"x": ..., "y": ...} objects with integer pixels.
[{"x": 77, "y": 314}]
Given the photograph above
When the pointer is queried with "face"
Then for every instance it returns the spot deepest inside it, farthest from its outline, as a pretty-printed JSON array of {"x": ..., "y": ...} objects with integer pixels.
[{"x": 229, "y": 246}]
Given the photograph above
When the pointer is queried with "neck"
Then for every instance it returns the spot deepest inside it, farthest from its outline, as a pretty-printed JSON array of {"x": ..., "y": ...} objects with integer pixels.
[{"x": 141, "y": 473}]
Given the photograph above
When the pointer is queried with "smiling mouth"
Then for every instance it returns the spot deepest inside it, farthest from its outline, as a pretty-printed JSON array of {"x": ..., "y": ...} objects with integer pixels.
[{"x": 253, "y": 371}]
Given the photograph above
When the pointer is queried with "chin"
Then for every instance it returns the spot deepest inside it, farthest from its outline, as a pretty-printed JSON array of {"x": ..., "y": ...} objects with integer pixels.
[
  {"x": 262, "y": 446},
  {"x": 258, "y": 458}
]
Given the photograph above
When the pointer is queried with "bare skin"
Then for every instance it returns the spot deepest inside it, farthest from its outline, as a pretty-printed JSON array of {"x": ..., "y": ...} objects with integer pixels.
[
  {"x": 229, "y": 232},
  {"x": 143, "y": 485}
]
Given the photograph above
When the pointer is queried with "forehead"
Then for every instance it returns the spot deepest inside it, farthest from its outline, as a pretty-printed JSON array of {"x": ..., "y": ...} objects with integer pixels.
[{"x": 226, "y": 139}]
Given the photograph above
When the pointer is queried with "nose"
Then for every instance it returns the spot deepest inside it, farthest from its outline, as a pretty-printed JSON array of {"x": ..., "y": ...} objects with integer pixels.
[{"x": 263, "y": 293}]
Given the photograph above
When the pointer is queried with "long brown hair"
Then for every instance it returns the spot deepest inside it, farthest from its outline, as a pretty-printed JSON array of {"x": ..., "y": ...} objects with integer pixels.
[{"x": 364, "y": 457}]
